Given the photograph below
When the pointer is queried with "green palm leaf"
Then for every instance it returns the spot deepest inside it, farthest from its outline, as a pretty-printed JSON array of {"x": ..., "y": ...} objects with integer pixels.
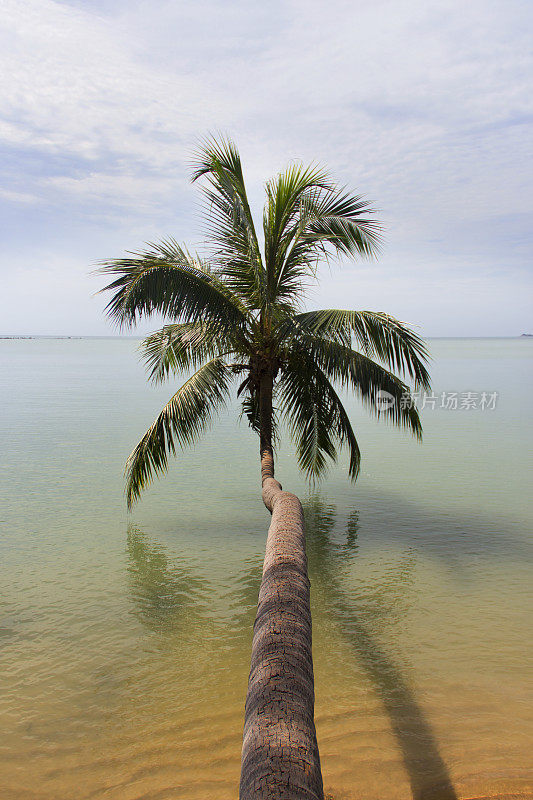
[
  {"x": 177, "y": 347},
  {"x": 167, "y": 280},
  {"x": 316, "y": 416},
  {"x": 307, "y": 217},
  {"x": 382, "y": 392},
  {"x": 180, "y": 423},
  {"x": 379, "y": 335},
  {"x": 343, "y": 222},
  {"x": 230, "y": 226}
]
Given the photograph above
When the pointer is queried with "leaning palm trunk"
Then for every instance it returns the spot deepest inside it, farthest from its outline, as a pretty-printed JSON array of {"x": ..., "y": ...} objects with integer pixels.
[{"x": 280, "y": 759}]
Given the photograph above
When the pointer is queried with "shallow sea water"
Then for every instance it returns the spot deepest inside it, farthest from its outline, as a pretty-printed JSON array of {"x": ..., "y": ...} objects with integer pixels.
[{"x": 125, "y": 639}]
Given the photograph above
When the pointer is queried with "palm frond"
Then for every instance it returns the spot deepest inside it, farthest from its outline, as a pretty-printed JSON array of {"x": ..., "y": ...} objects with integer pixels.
[
  {"x": 180, "y": 423},
  {"x": 177, "y": 347},
  {"x": 343, "y": 222},
  {"x": 382, "y": 392},
  {"x": 282, "y": 220},
  {"x": 230, "y": 227},
  {"x": 166, "y": 279},
  {"x": 377, "y": 334},
  {"x": 306, "y": 218},
  {"x": 286, "y": 197},
  {"x": 316, "y": 417}
]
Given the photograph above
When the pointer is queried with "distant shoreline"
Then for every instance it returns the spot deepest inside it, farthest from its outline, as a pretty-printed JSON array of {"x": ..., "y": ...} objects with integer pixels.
[
  {"x": 65, "y": 337},
  {"x": 133, "y": 338},
  {"x": 140, "y": 338}
]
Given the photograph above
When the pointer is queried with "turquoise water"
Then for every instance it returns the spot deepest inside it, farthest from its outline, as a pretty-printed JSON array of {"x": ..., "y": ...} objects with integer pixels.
[{"x": 125, "y": 639}]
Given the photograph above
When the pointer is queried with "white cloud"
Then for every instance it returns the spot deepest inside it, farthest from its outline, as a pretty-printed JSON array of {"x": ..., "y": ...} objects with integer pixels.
[
  {"x": 17, "y": 197},
  {"x": 145, "y": 194},
  {"x": 422, "y": 106},
  {"x": 77, "y": 86}
]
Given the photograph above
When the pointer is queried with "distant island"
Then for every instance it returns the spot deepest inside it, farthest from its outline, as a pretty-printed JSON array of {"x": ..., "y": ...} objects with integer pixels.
[
  {"x": 51, "y": 337},
  {"x": 528, "y": 335}
]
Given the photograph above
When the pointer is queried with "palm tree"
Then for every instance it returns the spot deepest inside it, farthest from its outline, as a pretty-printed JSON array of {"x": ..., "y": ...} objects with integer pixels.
[{"x": 238, "y": 313}]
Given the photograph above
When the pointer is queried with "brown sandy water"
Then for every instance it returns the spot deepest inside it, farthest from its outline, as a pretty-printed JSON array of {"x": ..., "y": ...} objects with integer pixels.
[{"x": 125, "y": 640}]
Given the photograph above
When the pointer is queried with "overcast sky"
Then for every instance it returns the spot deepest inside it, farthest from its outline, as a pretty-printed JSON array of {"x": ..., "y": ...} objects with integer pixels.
[{"x": 424, "y": 107}]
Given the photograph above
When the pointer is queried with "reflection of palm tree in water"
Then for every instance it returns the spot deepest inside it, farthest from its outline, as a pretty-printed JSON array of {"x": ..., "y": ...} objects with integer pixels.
[
  {"x": 165, "y": 594},
  {"x": 171, "y": 596},
  {"x": 427, "y": 771}
]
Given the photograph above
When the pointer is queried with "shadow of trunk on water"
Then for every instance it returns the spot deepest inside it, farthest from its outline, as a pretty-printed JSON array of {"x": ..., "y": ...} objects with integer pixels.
[{"x": 426, "y": 769}]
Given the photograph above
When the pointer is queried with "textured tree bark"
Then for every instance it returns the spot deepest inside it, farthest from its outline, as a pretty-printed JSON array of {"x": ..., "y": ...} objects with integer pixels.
[{"x": 280, "y": 758}]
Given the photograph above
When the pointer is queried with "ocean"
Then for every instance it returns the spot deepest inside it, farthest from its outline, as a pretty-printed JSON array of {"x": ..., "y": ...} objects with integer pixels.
[{"x": 125, "y": 638}]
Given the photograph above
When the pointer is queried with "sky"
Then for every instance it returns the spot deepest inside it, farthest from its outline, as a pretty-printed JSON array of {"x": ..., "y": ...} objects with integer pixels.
[{"x": 425, "y": 107}]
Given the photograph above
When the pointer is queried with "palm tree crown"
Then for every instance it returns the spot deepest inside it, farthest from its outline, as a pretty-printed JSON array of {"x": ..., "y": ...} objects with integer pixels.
[{"x": 238, "y": 314}]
